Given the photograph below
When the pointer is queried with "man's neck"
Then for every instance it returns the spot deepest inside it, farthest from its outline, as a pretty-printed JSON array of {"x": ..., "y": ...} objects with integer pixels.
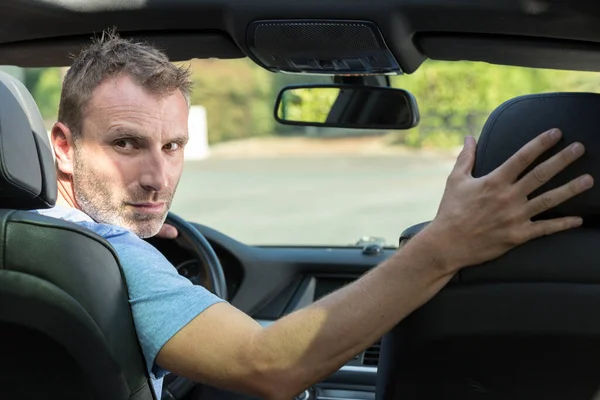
[{"x": 66, "y": 195}]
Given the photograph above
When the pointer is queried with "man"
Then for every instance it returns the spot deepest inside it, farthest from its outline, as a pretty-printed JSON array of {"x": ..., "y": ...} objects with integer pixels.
[{"x": 119, "y": 143}]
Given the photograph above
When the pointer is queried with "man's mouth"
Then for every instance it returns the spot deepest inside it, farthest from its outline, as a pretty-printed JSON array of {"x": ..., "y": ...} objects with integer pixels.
[{"x": 149, "y": 207}]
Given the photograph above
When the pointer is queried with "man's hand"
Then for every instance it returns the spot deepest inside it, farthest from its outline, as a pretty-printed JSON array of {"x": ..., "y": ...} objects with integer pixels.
[
  {"x": 167, "y": 232},
  {"x": 482, "y": 218}
]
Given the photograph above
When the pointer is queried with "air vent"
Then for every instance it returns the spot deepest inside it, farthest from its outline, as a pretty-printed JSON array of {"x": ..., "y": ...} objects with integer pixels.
[{"x": 371, "y": 357}]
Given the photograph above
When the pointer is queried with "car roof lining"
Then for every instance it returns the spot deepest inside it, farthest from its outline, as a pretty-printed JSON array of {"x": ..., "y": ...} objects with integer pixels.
[
  {"x": 511, "y": 50},
  {"x": 179, "y": 46},
  {"x": 548, "y": 34}
]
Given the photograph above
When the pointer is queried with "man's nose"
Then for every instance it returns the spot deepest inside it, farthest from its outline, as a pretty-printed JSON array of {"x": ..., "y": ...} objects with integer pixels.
[{"x": 154, "y": 174}]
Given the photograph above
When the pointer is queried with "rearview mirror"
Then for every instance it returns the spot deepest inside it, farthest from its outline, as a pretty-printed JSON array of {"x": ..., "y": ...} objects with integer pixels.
[{"x": 347, "y": 106}]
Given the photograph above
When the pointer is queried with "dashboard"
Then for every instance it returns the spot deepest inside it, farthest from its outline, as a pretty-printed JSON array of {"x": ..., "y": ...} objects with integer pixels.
[
  {"x": 271, "y": 282},
  {"x": 180, "y": 255},
  {"x": 356, "y": 379}
]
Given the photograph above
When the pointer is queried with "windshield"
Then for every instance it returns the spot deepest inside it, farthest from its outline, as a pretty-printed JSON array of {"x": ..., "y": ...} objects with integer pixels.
[{"x": 264, "y": 183}]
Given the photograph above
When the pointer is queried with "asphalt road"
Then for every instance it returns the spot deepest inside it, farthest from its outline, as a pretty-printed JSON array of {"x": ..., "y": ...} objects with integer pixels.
[{"x": 325, "y": 200}]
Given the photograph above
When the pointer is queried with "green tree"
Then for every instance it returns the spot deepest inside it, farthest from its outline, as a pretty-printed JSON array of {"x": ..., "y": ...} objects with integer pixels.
[
  {"x": 32, "y": 77},
  {"x": 46, "y": 92},
  {"x": 310, "y": 105},
  {"x": 455, "y": 98},
  {"x": 237, "y": 95}
]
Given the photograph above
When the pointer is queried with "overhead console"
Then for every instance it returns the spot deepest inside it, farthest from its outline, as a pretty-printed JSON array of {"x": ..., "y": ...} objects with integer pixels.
[{"x": 331, "y": 47}]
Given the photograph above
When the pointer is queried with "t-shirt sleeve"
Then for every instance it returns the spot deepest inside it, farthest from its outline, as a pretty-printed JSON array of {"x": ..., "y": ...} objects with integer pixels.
[{"x": 162, "y": 301}]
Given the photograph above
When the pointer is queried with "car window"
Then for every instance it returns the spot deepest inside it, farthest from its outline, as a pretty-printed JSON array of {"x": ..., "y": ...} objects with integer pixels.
[{"x": 264, "y": 183}]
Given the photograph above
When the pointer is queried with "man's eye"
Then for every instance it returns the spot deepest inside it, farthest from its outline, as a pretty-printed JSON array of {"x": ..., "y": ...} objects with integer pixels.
[
  {"x": 124, "y": 144},
  {"x": 172, "y": 146}
]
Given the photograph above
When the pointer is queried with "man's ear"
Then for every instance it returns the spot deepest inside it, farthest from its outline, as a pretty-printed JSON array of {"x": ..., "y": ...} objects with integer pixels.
[{"x": 64, "y": 148}]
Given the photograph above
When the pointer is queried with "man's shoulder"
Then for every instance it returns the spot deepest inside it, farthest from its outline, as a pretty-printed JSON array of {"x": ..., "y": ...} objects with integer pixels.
[
  {"x": 66, "y": 213},
  {"x": 140, "y": 260},
  {"x": 130, "y": 247},
  {"x": 80, "y": 218},
  {"x": 162, "y": 301}
]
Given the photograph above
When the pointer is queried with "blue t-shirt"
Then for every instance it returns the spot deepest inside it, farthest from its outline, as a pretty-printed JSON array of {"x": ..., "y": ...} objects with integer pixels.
[{"x": 162, "y": 301}]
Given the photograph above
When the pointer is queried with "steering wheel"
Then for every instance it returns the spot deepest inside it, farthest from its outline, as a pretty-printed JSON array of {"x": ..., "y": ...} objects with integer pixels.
[
  {"x": 177, "y": 387},
  {"x": 204, "y": 253}
]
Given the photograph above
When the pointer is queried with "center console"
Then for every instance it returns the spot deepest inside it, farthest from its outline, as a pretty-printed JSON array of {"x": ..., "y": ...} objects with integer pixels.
[
  {"x": 328, "y": 393},
  {"x": 354, "y": 381}
]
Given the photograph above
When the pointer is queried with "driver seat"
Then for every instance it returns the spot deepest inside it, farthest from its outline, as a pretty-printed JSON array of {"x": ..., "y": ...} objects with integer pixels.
[{"x": 66, "y": 328}]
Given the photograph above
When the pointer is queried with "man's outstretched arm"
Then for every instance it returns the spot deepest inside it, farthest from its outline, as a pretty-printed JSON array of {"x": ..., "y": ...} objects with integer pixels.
[{"x": 478, "y": 219}]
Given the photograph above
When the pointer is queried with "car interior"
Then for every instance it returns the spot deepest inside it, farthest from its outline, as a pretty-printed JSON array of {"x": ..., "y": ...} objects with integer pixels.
[{"x": 522, "y": 327}]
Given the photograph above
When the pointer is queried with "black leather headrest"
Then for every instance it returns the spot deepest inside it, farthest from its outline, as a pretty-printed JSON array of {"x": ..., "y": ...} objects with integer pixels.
[
  {"x": 27, "y": 170},
  {"x": 519, "y": 120}
]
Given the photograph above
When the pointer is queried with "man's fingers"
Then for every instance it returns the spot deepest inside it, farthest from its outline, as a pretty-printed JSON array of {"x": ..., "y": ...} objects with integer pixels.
[
  {"x": 167, "y": 232},
  {"x": 548, "y": 227},
  {"x": 515, "y": 165},
  {"x": 559, "y": 195},
  {"x": 466, "y": 159},
  {"x": 549, "y": 168}
]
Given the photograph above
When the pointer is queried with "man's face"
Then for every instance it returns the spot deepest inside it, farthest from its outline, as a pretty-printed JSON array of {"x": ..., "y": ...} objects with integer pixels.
[{"x": 129, "y": 157}]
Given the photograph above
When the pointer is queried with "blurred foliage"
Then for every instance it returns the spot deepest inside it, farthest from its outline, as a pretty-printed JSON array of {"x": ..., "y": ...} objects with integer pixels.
[
  {"x": 238, "y": 97},
  {"x": 308, "y": 105},
  {"x": 46, "y": 90},
  {"x": 32, "y": 77},
  {"x": 455, "y": 98}
]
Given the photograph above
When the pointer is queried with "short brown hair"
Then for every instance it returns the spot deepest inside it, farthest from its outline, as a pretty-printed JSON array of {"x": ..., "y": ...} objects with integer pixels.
[{"x": 110, "y": 55}]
